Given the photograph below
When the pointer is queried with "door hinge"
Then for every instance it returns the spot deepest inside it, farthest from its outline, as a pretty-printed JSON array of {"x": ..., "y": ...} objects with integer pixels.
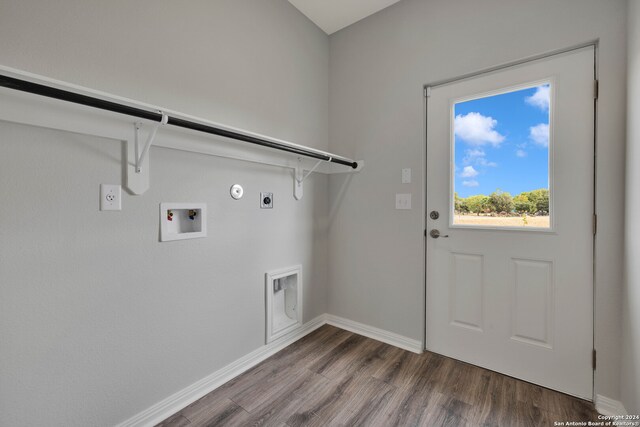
[
  {"x": 427, "y": 91},
  {"x": 596, "y": 88},
  {"x": 425, "y": 233},
  {"x": 595, "y": 224},
  {"x": 593, "y": 359}
]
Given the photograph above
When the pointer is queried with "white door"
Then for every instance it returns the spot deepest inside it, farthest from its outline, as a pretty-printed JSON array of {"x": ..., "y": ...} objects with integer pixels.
[{"x": 509, "y": 280}]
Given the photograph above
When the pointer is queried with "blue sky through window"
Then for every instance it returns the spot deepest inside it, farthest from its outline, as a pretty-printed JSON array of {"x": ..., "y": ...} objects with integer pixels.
[{"x": 502, "y": 142}]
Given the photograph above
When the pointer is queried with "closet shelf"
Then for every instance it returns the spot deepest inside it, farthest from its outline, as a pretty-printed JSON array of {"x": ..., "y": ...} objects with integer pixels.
[{"x": 62, "y": 106}]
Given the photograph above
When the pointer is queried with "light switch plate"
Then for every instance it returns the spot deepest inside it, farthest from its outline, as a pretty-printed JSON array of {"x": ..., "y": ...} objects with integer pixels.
[
  {"x": 406, "y": 176},
  {"x": 110, "y": 197},
  {"x": 403, "y": 201}
]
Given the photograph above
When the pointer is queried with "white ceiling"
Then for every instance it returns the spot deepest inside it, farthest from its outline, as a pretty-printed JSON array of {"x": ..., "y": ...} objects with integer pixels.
[{"x": 334, "y": 15}]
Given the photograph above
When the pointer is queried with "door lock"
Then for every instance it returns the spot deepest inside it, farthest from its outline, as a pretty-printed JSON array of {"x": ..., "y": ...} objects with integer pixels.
[
  {"x": 436, "y": 233},
  {"x": 434, "y": 215}
]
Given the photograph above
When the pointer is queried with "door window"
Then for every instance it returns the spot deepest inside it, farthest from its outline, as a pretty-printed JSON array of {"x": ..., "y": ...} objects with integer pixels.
[{"x": 500, "y": 146}]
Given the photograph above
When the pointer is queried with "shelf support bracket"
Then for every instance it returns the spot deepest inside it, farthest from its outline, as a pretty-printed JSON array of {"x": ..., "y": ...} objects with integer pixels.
[
  {"x": 299, "y": 176},
  {"x": 137, "y": 163},
  {"x": 141, "y": 156}
]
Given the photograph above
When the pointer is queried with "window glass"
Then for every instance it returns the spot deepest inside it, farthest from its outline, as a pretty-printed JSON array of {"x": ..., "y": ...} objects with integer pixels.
[{"x": 501, "y": 158}]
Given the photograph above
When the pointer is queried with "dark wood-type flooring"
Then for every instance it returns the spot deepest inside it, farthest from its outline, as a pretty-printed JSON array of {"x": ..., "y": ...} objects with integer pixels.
[{"x": 333, "y": 377}]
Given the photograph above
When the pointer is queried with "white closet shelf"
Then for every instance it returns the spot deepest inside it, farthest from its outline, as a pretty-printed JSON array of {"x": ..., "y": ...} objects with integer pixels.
[{"x": 41, "y": 101}]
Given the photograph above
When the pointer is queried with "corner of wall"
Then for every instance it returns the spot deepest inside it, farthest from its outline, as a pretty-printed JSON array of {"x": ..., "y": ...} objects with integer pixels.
[{"x": 630, "y": 367}]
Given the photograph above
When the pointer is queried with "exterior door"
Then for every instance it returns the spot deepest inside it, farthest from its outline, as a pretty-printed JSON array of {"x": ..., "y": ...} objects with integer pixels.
[{"x": 510, "y": 190}]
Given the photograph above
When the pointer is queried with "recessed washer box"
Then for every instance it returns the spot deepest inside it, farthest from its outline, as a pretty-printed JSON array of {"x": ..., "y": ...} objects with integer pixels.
[{"x": 180, "y": 221}]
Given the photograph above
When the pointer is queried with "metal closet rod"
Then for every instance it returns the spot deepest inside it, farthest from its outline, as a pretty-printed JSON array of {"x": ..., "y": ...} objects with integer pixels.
[{"x": 52, "y": 92}]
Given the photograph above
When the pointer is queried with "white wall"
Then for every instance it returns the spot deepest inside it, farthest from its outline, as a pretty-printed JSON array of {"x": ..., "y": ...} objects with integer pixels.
[
  {"x": 248, "y": 64},
  {"x": 377, "y": 69},
  {"x": 98, "y": 320},
  {"x": 631, "y": 297},
  {"x": 94, "y": 346}
]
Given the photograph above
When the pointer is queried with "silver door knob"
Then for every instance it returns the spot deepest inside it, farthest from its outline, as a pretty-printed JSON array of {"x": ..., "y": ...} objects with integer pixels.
[{"x": 436, "y": 233}]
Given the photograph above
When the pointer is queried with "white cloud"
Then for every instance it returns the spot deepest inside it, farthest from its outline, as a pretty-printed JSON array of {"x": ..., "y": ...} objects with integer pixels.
[
  {"x": 521, "y": 153},
  {"x": 540, "y": 134},
  {"x": 484, "y": 162},
  {"x": 476, "y": 129},
  {"x": 540, "y": 98},
  {"x": 476, "y": 156},
  {"x": 472, "y": 155},
  {"x": 469, "y": 172},
  {"x": 470, "y": 183}
]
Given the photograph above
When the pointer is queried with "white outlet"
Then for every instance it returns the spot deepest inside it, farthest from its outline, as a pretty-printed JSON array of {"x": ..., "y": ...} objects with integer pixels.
[
  {"x": 110, "y": 197},
  {"x": 403, "y": 201}
]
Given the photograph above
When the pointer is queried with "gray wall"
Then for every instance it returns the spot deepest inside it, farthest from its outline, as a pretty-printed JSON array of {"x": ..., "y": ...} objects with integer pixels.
[
  {"x": 631, "y": 297},
  {"x": 377, "y": 69},
  {"x": 98, "y": 321},
  {"x": 94, "y": 345}
]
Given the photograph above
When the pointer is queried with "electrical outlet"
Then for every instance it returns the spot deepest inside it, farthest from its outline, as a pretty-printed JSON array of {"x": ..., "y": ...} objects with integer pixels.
[
  {"x": 403, "y": 201},
  {"x": 110, "y": 197},
  {"x": 266, "y": 200}
]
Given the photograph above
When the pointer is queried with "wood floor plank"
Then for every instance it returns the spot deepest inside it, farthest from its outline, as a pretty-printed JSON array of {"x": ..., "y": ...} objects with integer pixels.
[
  {"x": 279, "y": 408},
  {"x": 322, "y": 349},
  {"x": 498, "y": 405},
  {"x": 363, "y": 361},
  {"x": 212, "y": 411},
  {"x": 465, "y": 384},
  {"x": 270, "y": 387},
  {"x": 334, "y": 377},
  {"x": 430, "y": 377},
  {"x": 322, "y": 343},
  {"x": 319, "y": 408},
  {"x": 527, "y": 392},
  {"x": 412, "y": 405},
  {"x": 450, "y": 411},
  {"x": 368, "y": 401},
  {"x": 350, "y": 377},
  {"x": 176, "y": 420},
  {"x": 532, "y": 416},
  {"x": 342, "y": 355},
  {"x": 319, "y": 342},
  {"x": 405, "y": 409},
  {"x": 565, "y": 406},
  {"x": 401, "y": 368}
]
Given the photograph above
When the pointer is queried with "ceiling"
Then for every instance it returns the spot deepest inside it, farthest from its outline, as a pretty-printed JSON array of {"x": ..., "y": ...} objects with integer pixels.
[{"x": 334, "y": 15}]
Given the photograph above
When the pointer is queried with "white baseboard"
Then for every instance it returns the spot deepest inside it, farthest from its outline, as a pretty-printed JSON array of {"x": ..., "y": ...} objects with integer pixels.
[
  {"x": 608, "y": 406},
  {"x": 174, "y": 403},
  {"x": 177, "y": 401},
  {"x": 376, "y": 333}
]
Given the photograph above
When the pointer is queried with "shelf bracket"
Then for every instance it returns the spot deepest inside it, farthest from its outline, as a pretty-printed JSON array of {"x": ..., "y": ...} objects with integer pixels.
[
  {"x": 141, "y": 156},
  {"x": 299, "y": 176},
  {"x": 137, "y": 164}
]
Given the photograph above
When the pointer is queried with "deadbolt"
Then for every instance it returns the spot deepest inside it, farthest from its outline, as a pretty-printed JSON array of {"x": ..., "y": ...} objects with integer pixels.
[{"x": 434, "y": 215}]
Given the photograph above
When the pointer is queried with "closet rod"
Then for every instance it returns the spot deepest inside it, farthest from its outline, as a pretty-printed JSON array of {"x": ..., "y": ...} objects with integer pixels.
[{"x": 52, "y": 92}]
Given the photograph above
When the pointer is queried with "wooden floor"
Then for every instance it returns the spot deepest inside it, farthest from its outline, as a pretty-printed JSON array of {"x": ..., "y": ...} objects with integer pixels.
[{"x": 333, "y": 377}]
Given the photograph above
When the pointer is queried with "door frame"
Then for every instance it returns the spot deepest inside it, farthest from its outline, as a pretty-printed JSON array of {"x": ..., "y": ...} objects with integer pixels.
[{"x": 426, "y": 91}]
